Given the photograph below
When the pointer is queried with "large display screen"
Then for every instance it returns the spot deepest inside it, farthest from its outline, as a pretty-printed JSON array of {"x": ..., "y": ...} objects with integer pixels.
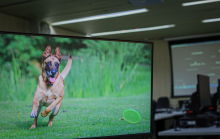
[
  {"x": 192, "y": 58},
  {"x": 107, "y": 89}
]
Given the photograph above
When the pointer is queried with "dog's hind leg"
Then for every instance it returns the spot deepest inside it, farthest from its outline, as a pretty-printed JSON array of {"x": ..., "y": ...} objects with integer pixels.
[
  {"x": 34, "y": 125},
  {"x": 54, "y": 113}
]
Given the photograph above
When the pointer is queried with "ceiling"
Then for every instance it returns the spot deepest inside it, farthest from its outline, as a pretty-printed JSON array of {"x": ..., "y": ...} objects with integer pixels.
[{"x": 187, "y": 19}]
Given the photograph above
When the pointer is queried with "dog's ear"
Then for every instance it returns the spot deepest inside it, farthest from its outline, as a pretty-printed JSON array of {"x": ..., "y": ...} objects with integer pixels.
[
  {"x": 47, "y": 52},
  {"x": 58, "y": 53}
]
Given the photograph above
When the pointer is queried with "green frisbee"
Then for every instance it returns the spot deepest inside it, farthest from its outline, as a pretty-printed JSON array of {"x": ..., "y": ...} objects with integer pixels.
[{"x": 131, "y": 115}]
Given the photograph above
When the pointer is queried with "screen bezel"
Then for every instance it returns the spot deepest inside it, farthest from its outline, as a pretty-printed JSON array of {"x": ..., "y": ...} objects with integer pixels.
[
  {"x": 184, "y": 41},
  {"x": 140, "y": 135},
  {"x": 218, "y": 91}
]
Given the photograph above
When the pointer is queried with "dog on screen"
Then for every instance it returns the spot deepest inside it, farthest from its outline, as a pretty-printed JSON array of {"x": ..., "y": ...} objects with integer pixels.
[{"x": 50, "y": 89}]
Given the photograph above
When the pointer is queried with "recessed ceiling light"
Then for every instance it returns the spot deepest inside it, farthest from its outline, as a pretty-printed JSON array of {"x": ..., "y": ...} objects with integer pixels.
[
  {"x": 87, "y": 35},
  {"x": 211, "y": 20},
  {"x": 103, "y": 16},
  {"x": 199, "y": 2},
  {"x": 132, "y": 30}
]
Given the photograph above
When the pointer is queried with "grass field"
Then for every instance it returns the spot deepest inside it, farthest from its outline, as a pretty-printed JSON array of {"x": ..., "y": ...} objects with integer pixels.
[{"x": 78, "y": 118}]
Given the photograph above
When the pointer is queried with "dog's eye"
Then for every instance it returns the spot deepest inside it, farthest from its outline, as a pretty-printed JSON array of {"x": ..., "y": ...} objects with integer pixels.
[
  {"x": 57, "y": 64},
  {"x": 49, "y": 63}
]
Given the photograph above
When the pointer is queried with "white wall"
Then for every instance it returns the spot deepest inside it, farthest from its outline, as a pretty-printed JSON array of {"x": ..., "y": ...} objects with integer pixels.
[
  {"x": 56, "y": 30},
  {"x": 162, "y": 72},
  {"x": 13, "y": 24},
  {"x": 16, "y": 24}
]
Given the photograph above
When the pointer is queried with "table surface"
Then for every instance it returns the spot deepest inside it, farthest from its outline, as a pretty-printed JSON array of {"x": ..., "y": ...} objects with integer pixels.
[
  {"x": 213, "y": 130},
  {"x": 161, "y": 116}
]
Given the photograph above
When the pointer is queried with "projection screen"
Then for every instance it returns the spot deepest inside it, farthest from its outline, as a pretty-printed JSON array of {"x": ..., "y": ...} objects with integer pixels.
[{"x": 191, "y": 58}]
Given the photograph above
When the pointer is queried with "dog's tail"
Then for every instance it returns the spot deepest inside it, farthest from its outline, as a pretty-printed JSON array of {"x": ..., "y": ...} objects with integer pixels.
[{"x": 67, "y": 67}]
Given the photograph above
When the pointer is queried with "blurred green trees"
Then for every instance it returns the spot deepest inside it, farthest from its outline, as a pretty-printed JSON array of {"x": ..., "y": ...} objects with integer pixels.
[
  {"x": 129, "y": 52},
  {"x": 28, "y": 50}
]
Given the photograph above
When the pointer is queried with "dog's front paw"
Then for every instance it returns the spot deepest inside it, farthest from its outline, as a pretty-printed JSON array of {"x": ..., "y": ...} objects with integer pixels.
[
  {"x": 33, "y": 126},
  {"x": 33, "y": 114},
  {"x": 44, "y": 113}
]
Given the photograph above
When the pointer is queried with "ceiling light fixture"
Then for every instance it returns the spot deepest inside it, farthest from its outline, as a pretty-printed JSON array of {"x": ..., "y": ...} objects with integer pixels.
[
  {"x": 199, "y": 2},
  {"x": 211, "y": 20},
  {"x": 132, "y": 30},
  {"x": 103, "y": 16}
]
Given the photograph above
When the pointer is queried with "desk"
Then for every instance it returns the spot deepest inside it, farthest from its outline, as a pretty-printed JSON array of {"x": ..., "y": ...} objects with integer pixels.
[
  {"x": 163, "y": 121},
  {"x": 161, "y": 116},
  {"x": 213, "y": 130},
  {"x": 162, "y": 110}
]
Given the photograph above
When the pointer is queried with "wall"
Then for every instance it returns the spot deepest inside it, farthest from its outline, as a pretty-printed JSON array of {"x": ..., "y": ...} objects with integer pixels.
[
  {"x": 55, "y": 30},
  {"x": 162, "y": 72},
  {"x": 14, "y": 24}
]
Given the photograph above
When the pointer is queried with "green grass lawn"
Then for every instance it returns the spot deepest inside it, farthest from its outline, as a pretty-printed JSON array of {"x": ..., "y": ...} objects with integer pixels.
[{"x": 78, "y": 118}]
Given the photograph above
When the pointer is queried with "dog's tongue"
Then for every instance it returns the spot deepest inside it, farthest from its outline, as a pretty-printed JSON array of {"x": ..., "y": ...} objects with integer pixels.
[{"x": 52, "y": 80}]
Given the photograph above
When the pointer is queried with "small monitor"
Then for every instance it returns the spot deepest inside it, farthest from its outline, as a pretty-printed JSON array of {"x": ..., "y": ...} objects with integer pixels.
[{"x": 204, "y": 90}]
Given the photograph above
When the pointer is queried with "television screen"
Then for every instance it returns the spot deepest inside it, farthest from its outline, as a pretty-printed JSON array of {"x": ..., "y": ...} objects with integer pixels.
[
  {"x": 192, "y": 57},
  {"x": 73, "y": 87}
]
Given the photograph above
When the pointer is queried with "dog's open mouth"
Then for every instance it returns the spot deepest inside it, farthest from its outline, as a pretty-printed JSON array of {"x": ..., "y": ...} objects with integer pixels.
[
  {"x": 52, "y": 79},
  {"x": 51, "y": 76}
]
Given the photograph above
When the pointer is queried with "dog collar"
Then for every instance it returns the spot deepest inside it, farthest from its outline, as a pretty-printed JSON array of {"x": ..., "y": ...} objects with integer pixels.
[{"x": 47, "y": 82}]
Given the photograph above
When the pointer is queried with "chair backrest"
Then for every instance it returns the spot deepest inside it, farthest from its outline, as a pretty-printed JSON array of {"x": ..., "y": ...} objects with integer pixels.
[
  {"x": 215, "y": 98},
  {"x": 163, "y": 102},
  {"x": 195, "y": 102}
]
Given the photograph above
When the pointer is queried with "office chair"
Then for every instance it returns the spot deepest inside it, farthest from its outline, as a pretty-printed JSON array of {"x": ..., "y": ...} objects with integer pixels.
[
  {"x": 195, "y": 104},
  {"x": 163, "y": 102},
  {"x": 215, "y": 100}
]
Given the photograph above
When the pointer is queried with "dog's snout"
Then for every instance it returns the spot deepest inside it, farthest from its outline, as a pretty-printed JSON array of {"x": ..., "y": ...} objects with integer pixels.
[{"x": 53, "y": 71}]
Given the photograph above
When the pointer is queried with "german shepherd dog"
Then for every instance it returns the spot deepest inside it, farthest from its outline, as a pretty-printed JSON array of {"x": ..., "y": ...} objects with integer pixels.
[{"x": 50, "y": 89}]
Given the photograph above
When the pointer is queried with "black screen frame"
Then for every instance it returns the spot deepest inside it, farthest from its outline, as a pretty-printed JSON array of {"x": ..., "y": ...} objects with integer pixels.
[
  {"x": 138, "y": 135},
  {"x": 218, "y": 91},
  {"x": 183, "y": 41}
]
